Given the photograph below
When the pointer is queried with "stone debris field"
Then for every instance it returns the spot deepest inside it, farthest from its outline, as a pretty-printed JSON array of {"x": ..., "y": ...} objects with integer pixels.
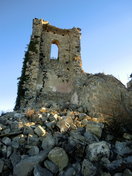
[{"x": 53, "y": 142}]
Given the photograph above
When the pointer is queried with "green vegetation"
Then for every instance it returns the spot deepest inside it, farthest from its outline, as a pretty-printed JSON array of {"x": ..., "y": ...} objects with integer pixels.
[{"x": 23, "y": 78}]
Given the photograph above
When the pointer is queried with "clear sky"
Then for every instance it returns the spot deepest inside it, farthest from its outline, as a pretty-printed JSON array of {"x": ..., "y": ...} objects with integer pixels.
[{"x": 106, "y": 42}]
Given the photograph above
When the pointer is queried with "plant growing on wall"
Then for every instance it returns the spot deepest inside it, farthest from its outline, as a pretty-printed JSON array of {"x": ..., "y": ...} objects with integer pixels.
[{"x": 23, "y": 78}]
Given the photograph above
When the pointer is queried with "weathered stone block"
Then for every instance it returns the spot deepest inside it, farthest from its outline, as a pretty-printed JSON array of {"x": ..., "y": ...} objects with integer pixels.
[
  {"x": 98, "y": 150},
  {"x": 40, "y": 131},
  {"x": 58, "y": 156}
]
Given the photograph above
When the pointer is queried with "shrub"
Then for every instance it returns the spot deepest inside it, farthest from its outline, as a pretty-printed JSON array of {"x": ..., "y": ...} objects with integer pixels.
[
  {"x": 117, "y": 125},
  {"x": 23, "y": 78}
]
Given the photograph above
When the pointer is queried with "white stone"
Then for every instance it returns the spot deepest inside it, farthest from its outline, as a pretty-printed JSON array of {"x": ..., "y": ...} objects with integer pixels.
[
  {"x": 74, "y": 98},
  {"x": 18, "y": 115},
  {"x": 65, "y": 124},
  {"x": 98, "y": 150}
]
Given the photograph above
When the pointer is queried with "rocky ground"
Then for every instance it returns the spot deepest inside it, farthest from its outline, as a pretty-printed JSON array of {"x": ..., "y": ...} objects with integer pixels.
[{"x": 62, "y": 143}]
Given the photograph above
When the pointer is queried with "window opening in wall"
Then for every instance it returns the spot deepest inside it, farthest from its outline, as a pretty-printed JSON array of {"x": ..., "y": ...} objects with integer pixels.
[{"x": 54, "y": 51}]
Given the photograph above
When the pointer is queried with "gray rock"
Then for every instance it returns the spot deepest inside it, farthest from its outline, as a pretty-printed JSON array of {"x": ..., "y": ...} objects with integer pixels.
[
  {"x": 25, "y": 166},
  {"x": 77, "y": 167},
  {"x": 14, "y": 125},
  {"x": 80, "y": 109},
  {"x": 50, "y": 125},
  {"x": 129, "y": 85},
  {"x": 70, "y": 146},
  {"x": 81, "y": 116},
  {"x": 6, "y": 140},
  {"x": 109, "y": 137},
  {"x": 4, "y": 150},
  {"x": 58, "y": 156},
  {"x": 120, "y": 164},
  {"x": 28, "y": 130},
  {"x": 77, "y": 137},
  {"x": 15, "y": 144},
  {"x": 9, "y": 151},
  {"x": 32, "y": 140},
  {"x": 69, "y": 172},
  {"x": 123, "y": 148},
  {"x": 84, "y": 122},
  {"x": 104, "y": 162},
  {"x": 1, "y": 165},
  {"x": 114, "y": 165},
  {"x": 95, "y": 128},
  {"x": 118, "y": 174},
  {"x": 127, "y": 136},
  {"x": 51, "y": 117},
  {"x": 51, "y": 166},
  {"x": 6, "y": 131},
  {"x": 98, "y": 150},
  {"x": 90, "y": 138},
  {"x": 127, "y": 172},
  {"x": 87, "y": 168},
  {"x": 34, "y": 150},
  {"x": 105, "y": 174},
  {"x": 19, "y": 115},
  {"x": 20, "y": 139},
  {"x": 48, "y": 142},
  {"x": 128, "y": 161},
  {"x": 39, "y": 171},
  {"x": 15, "y": 158}
]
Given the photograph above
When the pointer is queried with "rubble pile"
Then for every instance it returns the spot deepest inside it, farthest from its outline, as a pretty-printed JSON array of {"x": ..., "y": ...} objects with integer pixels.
[{"x": 53, "y": 142}]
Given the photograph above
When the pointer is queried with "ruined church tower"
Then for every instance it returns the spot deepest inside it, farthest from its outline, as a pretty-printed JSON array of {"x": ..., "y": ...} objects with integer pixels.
[{"x": 44, "y": 78}]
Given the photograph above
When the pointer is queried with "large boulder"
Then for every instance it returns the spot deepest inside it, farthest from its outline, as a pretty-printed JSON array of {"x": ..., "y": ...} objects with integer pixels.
[
  {"x": 48, "y": 142},
  {"x": 120, "y": 164},
  {"x": 123, "y": 148},
  {"x": 104, "y": 96},
  {"x": 25, "y": 166},
  {"x": 98, "y": 150},
  {"x": 88, "y": 169},
  {"x": 39, "y": 171},
  {"x": 58, "y": 156},
  {"x": 95, "y": 128}
]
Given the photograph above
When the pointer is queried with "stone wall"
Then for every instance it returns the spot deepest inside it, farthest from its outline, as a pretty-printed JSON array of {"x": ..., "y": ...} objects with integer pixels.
[
  {"x": 62, "y": 81},
  {"x": 129, "y": 85},
  {"x": 46, "y": 76}
]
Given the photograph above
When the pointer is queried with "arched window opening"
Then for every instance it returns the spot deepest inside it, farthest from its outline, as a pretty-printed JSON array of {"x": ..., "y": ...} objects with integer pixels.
[{"x": 54, "y": 51}]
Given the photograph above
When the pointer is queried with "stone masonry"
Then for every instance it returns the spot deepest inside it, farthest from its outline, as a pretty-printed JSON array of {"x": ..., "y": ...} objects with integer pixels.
[{"x": 62, "y": 81}]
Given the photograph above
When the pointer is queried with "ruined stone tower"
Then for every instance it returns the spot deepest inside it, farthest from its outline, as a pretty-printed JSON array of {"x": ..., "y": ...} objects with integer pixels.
[
  {"x": 46, "y": 79},
  {"x": 62, "y": 81}
]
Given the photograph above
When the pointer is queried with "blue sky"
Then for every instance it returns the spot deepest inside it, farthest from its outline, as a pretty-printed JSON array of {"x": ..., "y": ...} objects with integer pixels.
[{"x": 106, "y": 42}]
